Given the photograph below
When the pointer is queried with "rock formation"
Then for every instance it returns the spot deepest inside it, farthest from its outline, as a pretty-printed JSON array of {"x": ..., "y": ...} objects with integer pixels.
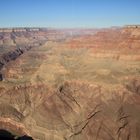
[{"x": 70, "y": 84}]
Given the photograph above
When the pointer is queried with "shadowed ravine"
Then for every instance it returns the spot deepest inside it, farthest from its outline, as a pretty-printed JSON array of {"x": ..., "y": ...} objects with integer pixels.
[{"x": 5, "y": 135}]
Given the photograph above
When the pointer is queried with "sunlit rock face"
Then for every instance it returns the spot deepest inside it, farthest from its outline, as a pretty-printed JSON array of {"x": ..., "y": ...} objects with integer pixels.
[{"x": 70, "y": 84}]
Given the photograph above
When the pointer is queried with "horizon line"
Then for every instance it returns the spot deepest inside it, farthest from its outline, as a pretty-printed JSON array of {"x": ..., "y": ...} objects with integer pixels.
[{"x": 53, "y": 27}]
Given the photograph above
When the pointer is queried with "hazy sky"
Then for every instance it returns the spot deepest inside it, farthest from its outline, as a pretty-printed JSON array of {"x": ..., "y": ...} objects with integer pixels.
[{"x": 69, "y": 13}]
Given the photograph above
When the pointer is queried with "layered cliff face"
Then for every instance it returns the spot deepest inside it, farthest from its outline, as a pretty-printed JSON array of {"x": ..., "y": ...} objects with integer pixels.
[
  {"x": 72, "y": 84},
  {"x": 117, "y": 43}
]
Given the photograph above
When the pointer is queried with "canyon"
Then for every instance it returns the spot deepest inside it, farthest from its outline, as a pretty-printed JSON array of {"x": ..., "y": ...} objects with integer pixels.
[{"x": 70, "y": 84}]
